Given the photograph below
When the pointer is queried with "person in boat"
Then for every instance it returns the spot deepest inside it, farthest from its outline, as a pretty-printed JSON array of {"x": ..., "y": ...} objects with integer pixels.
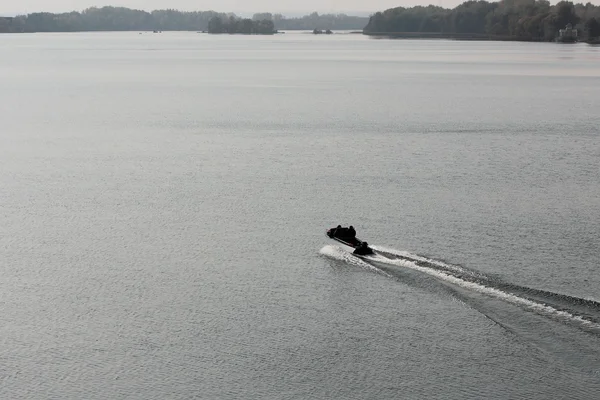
[
  {"x": 337, "y": 231},
  {"x": 334, "y": 232},
  {"x": 363, "y": 249},
  {"x": 351, "y": 232},
  {"x": 341, "y": 232}
]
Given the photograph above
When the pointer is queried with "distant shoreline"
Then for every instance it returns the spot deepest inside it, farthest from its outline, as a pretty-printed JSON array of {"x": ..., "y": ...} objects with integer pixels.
[
  {"x": 535, "y": 21},
  {"x": 121, "y": 19},
  {"x": 373, "y": 35},
  {"x": 454, "y": 36},
  {"x": 465, "y": 37}
]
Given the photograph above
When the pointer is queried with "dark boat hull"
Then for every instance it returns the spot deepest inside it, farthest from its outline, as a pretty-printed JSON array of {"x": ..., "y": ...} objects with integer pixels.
[{"x": 354, "y": 244}]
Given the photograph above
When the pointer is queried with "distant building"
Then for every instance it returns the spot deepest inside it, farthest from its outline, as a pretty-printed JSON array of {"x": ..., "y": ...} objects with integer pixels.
[{"x": 567, "y": 35}]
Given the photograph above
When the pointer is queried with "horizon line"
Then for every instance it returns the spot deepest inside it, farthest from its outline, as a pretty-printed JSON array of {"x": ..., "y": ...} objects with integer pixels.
[{"x": 286, "y": 14}]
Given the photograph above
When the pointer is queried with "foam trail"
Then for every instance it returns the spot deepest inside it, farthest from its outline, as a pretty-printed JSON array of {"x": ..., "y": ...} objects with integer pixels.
[
  {"x": 338, "y": 253},
  {"x": 464, "y": 272},
  {"x": 477, "y": 287},
  {"x": 415, "y": 257}
]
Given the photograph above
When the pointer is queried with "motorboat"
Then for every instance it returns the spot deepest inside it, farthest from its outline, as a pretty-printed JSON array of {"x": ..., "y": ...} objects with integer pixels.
[{"x": 347, "y": 237}]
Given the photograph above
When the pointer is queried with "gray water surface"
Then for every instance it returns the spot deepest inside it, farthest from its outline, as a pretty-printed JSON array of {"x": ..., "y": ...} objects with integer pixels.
[{"x": 164, "y": 200}]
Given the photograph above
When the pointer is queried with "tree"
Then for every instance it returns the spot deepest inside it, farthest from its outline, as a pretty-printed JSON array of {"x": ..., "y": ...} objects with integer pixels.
[
  {"x": 592, "y": 27},
  {"x": 5, "y": 25},
  {"x": 215, "y": 25},
  {"x": 265, "y": 26},
  {"x": 565, "y": 14},
  {"x": 262, "y": 16},
  {"x": 246, "y": 26},
  {"x": 232, "y": 25}
]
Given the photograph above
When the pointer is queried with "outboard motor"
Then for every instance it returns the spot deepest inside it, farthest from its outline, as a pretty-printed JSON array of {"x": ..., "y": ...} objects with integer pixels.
[{"x": 363, "y": 249}]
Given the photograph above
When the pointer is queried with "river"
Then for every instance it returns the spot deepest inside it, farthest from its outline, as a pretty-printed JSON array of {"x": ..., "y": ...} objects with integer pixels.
[{"x": 165, "y": 197}]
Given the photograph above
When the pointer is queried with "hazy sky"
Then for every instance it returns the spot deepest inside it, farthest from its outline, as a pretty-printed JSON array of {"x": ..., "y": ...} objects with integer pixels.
[{"x": 289, "y": 6}]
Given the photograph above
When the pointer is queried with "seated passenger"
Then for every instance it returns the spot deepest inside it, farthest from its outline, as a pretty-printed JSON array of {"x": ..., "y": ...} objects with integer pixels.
[
  {"x": 334, "y": 232},
  {"x": 351, "y": 232},
  {"x": 363, "y": 249}
]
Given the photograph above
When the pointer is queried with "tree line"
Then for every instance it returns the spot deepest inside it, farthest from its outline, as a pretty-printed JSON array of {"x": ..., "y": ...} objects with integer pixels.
[
  {"x": 111, "y": 19},
  {"x": 246, "y": 26},
  {"x": 315, "y": 21},
  {"x": 534, "y": 20},
  {"x": 125, "y": 19},
  {"x": 531, "y": 20}
]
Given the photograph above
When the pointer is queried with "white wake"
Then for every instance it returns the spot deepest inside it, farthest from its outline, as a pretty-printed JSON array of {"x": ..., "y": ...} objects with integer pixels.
[
  {"x": 420, "y": 258},
  {"x": 490, "y": 291},
  {"x": 338, "y": 253}
]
